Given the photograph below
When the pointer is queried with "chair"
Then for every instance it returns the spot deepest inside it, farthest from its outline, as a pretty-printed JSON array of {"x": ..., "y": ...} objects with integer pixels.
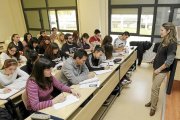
[{"x": 24, "y": 98}]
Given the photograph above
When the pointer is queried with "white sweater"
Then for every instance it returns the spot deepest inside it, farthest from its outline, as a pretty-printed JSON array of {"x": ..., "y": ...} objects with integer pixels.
[
  {"x": 9, "y": 79},
  {"x": 4, "y": 57}
]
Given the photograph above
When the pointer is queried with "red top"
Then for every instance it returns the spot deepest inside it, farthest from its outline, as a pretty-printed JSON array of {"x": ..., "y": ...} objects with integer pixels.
[{"x": 93, "y": 39}]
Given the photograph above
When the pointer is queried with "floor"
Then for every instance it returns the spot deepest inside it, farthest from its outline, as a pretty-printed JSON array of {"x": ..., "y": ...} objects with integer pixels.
[
  {"x": 130, "y": 104},
  {"x": 173, "y": 103}
]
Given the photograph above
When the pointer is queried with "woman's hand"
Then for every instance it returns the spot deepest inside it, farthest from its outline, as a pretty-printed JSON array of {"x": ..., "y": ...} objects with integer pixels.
[
  {"x": 60, "y": 98},
  {"x": 6, "y": 90},
  {"x": 75, "y": 93},
  {"x": 157, "y": 71}
]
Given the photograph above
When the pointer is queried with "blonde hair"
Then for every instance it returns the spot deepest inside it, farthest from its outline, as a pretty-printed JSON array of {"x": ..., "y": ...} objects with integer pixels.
[{"x": 171, "y": 36}]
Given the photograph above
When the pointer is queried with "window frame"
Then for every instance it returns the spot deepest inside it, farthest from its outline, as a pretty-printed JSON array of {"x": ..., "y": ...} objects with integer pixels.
[
  {"x": 140, "y": 6},
  {"x": 47, "y": 8}
]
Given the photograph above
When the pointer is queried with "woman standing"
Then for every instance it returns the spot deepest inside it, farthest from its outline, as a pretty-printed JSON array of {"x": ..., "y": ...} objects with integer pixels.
[{"x": 162, "y": 62}]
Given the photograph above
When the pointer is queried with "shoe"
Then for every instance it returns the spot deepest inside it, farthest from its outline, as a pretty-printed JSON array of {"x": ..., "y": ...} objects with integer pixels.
[
  {"x": 148, "y": 104},
  {"x": 152, "y": 112},
  {"x": 125, "y": 82}
]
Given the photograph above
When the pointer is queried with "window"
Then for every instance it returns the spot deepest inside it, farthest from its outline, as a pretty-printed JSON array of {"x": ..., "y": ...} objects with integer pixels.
[
  {"x": 124, "y": 20},
  {"x": 46, "y": 14},
  {"x": 176, "y": 17},
  {"x": 169, "y": 1},
  {"x": 146, "y": 20},
  {"x": 122, "y": 2},
  {"x": 52, "y": 18},
  {"x": 142, "y": 18},
  {"x": 67, "y": 19},
  {"x": 161, "y": 17}
]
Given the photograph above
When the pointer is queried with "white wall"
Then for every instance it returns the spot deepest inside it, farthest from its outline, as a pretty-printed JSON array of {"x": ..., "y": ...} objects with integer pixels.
[
  {"x": 11, "y": 19},
  {"x": 93, "y": 14}
]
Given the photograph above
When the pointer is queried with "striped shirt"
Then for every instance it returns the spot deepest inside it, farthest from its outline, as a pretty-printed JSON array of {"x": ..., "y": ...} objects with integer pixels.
[{"x": 38, "y": 98}]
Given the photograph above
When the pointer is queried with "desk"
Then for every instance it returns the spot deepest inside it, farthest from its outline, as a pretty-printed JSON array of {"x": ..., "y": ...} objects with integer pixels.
[{"x": 108, "y": 82}]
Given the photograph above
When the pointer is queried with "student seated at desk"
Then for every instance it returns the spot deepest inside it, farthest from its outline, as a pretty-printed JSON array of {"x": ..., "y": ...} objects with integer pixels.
[
  {"x": 41, "y": 84},
  {"x": 121, "y": 41},
  {"x": 69, "y": 47},
  {"x": 16, "y": 41},
  {"x": 32, "y": 57},
  {"x": 10, "y": 73},
  {"x": 54, "y": 54},
  {"x": 12, "y": 53},
  {"x": 74, "y": 70},
  {"x": 95, "y": 59}
]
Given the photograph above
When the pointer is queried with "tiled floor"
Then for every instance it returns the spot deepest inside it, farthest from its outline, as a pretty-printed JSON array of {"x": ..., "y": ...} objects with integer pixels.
[{"x": 130, "y": 104}]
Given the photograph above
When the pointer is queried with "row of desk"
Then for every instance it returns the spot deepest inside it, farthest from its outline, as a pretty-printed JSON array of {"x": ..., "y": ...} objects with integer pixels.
[{"x": 108, "y": 82}]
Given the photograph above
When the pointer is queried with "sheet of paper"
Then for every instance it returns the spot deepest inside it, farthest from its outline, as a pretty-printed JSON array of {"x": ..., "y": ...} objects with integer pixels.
[
  {"x": 6, "y": 95},
  {"x": 18, "y": 85},
  {"x": 70, "y": 99},
  {"x": 89, "y": 85},
  {"x": 89, "y": 80},
  {"x": 102, "y": 71}
]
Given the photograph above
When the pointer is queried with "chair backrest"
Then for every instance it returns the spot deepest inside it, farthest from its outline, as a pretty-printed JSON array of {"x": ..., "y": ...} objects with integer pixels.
[{"x": 24, "y": 98}]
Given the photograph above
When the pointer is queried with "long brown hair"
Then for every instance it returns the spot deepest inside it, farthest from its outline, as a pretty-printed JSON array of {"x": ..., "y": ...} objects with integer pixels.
[
  {"x": 10, "y": 46},
  {"x": 49, "y": 51},
  {"x": 9, "y": 62},
  {"x": 107, "y": 40},
  {"x": 108, "y": 48},
  {"x": 38, "y": 73},
  {"x": 171, "y": 36}
]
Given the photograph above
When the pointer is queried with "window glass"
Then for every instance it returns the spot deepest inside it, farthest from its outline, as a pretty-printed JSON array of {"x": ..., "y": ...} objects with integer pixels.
[
  {"x": 52, "y": 18},
  {"x": 61, "y": 3},
  {"x": 33, "y": 19},
  {"x": 122, "y": 2},
  {"x": 169, "y": 1},
  {"x": 124, "y": 20},
  {"x": 67, "y": 19},
  {"x": 34, "y": 3},
  {"x": 146, "y": 20},
  {"x": 162, "y": 17}
]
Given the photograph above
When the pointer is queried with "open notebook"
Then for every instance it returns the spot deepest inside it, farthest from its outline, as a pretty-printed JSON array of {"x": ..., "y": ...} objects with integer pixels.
[
  {"x": 70, "y": 99},
  {"x": 15, "y": 87}
]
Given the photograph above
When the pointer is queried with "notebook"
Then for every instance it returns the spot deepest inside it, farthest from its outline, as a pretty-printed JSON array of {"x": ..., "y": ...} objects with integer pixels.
[
  {"x": 102, "y": 71},
  {"x": 70, "y": 99},
  {"x": 7, "y": 95}
]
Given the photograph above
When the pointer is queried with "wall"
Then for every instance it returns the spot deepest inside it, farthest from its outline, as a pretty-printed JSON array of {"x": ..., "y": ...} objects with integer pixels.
[
  {"x": 93, "y": 14},
  {"x": 12, "y": 19}
]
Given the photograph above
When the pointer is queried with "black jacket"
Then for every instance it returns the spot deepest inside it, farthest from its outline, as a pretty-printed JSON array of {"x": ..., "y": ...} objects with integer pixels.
[
  {"x": 142, "y": 46},
  {"x": 93, "y": 64}
]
